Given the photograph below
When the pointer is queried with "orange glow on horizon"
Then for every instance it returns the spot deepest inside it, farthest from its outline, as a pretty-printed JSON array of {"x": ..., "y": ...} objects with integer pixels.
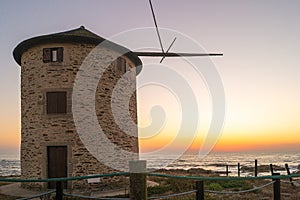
[{"x": 233, "y": 143}]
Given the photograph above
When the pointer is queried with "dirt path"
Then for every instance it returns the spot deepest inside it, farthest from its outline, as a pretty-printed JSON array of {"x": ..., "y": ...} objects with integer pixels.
[{"x": 15, "y": 189}]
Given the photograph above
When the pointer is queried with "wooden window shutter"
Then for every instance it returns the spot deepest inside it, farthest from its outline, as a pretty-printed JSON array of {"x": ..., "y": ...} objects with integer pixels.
[
  {"x": 56, "y": 102},
  {"x": 51, "y": 102},
  {"x": 46, "y": 55},
  {"x": 124, "y": 66},
  {"x": 61, "y": 102},
  {"x": 60, "y": 54}
]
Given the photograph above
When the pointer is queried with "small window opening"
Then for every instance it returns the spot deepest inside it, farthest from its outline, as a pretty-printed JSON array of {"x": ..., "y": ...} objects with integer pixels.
[
  {"x": 56, "y": 102},
  {"x": 53, "y": 54},
  {"x": 121, "y": 65}
]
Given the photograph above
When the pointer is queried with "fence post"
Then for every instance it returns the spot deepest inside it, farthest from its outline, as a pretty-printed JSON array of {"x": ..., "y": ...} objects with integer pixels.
[
  {"x": 59, "y": 190},
  {"x": 227, "y": 172},
  {"x": 289, "y": 173},
  {"x": 276, "y": 187},
  {"x": 239, "y": 170},
  {"x": 255, "y": 168},
  {"x": 200, "y": 190},
  {"x": 138, "y": 180},
  {"x": 272, "y": 170}
]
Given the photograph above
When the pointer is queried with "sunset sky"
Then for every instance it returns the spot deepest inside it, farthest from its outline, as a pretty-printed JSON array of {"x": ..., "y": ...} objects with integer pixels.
[{"x": 260, "y": 68}]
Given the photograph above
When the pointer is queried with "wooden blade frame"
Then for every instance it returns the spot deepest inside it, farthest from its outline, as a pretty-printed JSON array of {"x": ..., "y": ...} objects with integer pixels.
[
  {"x": 171, "y": 54},
  {"x": 164, "y": 54}
]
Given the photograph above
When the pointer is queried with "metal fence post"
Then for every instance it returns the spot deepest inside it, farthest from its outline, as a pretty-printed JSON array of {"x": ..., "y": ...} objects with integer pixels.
[
  {"x": 255, "y": 168},
  {"x": 59, "y": 190},
  {"x": 138, "y": 180},
  {"x": 239, "y": 170},
  {"x": 289, "y": 173},
  {"x": 200, "y": 190},
  {"x": 227, "y": 172},
  {"x": 271, "y": 169},
  {"x": 276, "y": 187}
]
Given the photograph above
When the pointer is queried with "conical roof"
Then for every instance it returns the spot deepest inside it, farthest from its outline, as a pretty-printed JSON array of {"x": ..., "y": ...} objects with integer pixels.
[{"x": 79, "y": 35}]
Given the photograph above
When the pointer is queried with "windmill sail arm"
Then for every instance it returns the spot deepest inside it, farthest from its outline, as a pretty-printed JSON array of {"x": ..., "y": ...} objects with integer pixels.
[{"x": 171, "y": 54}]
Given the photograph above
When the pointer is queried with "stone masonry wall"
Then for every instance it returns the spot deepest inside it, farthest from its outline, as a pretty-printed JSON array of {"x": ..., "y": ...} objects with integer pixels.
[{"x": 40, "y": 129}]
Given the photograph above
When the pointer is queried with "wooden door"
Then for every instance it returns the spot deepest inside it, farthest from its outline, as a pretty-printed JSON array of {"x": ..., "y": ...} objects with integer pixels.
[{"x": 57, "y": 163}]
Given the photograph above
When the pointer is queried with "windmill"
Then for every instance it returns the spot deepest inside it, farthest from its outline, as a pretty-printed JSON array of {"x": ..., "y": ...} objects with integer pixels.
[{"x": 167, "y": 53}]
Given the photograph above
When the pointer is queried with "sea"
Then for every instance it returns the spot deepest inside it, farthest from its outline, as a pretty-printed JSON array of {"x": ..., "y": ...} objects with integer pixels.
[
  {"x": 10, "y": 164},
  {"x": 216, "y": 162}
]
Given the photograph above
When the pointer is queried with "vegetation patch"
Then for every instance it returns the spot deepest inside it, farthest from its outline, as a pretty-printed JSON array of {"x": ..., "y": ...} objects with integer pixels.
[
  {"x": 157, "y": 190},
  {"x": 215, "y": 187}
]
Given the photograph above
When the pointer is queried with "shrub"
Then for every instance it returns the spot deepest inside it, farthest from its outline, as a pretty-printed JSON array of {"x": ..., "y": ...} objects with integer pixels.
[
  {"x": 233, "y": 184},
  {"x": 159, "y": 189},
  {"x": 215, "y": 187}
]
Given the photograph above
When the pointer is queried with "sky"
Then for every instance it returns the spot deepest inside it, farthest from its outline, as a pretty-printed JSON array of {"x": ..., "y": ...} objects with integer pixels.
[{"x": 260, "y": 68}]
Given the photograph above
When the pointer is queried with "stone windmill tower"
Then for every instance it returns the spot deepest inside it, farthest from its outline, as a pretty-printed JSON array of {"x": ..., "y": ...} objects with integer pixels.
[{"x": 50, "y": 145}]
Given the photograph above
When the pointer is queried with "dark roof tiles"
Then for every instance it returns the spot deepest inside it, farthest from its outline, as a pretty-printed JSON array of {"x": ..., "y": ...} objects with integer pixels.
[{"x": 79, "y": 35}]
